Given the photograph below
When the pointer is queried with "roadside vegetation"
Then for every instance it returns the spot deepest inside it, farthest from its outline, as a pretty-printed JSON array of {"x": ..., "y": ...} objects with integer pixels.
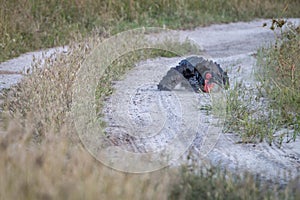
[
  {"x": 31, "y": 25},
  {"x": 212, "y": 183},
  {"x": 269, "y": 110},
  {"x": 279, "y": 73},
  {"x": 42, "y": 157}
]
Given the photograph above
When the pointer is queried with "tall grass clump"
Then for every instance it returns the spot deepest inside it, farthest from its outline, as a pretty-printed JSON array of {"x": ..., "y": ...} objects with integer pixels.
[
  {"x": 269, "y": 109},
  {"x": 30, "y": 25},
  {"x": 279, "y": 72}
]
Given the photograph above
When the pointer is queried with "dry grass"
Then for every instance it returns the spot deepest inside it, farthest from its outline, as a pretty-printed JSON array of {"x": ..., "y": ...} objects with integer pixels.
[
  {"x": 269, "y": 110},
  {"x": 41, "y": 154},
  {"x": 57, "y": 168},
  {"x": 279, "y": 73}
]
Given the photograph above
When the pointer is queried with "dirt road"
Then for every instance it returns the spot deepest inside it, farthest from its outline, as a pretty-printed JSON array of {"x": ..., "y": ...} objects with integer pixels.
[{"x": 142, "y": 119}]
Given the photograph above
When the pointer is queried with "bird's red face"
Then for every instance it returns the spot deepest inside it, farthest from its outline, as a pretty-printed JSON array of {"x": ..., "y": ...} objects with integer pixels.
[{"x": 208, "y": 85}]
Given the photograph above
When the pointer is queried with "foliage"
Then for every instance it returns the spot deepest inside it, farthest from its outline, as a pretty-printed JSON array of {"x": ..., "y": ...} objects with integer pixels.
[
  {"x": 279, "y": 72},
  {"x": 27, "y": 25},
  {"x": 213, "y": 183},
  {"x": 262, "y": 111}
]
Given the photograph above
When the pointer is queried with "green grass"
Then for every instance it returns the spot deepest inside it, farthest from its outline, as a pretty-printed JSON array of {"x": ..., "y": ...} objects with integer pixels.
[
  {"x": 213, "y": 183},
  {"x": 248, "y": 116},
  {"x": 272, "y": 105},
  {"x": 279, "y": 72},
  {"x": 27, "y": 25}
]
